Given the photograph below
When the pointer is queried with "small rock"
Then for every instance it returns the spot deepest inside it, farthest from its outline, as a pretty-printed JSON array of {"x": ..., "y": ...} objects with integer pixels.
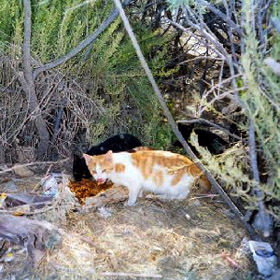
[
  {"x": 188, "y": 217},
  {"x": 275, "y": 275},
  {"x": 22, "y": 171},
  {"x": 104, "y": 212}
]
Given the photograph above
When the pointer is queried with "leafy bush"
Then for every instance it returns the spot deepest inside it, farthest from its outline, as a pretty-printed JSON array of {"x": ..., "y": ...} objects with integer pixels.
[{"x": 108, "y": 73}]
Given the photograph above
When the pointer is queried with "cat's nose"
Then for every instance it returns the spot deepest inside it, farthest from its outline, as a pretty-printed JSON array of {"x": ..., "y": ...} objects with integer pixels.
[{"x": 100, "y": 180}]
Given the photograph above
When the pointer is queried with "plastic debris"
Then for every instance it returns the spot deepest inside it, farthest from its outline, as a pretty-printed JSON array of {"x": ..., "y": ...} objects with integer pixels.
[
  {"x": 2, "y": 199},
  {"x": 25, "y": 202},
  {"x": 264, "y": 257},
  {"x": 50, "y": 186},
  {"x": 8, "y": 255}
]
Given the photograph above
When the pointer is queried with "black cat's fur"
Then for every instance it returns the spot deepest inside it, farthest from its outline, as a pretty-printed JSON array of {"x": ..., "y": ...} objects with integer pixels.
[
  {"x": 213, "y": 142},
  {"x": 116, "y": 143}
]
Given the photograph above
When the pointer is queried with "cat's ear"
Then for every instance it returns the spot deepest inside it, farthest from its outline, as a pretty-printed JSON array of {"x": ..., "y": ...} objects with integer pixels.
[
  {"x": 109, "y": 155},
  {"x": 88, "y": 158}
]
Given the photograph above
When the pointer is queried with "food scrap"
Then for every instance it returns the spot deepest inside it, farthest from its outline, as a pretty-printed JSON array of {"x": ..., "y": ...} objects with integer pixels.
[{"x": 87, "y": 187}]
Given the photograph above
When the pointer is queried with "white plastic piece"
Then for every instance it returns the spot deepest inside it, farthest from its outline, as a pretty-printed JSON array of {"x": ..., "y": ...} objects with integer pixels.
[
  {"x": 264, "y": 257},
  {"x": 50, "y": 186}
]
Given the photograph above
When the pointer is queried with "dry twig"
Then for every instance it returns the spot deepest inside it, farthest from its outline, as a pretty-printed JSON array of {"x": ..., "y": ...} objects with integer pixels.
[
  {"x": 34, "y": 163},
  {"x": 125, "y": 274}
]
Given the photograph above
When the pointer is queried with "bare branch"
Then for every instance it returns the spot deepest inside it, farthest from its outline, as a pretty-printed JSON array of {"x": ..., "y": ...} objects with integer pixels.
[
  {"x": 220, "y": 52},
  {"x": 200, "y": 120},
  {"x": 34, "y": 163},
  {"x": 260, "y": 23},
  {"x": 224, "y": 17},
  {"x": 230, "y": 34},
  {"x": 131, "y": 275},
  {"x": 26, "y": 42},
  {"x": 28, "y": 83},
  {"x": 254, "y": 164}
]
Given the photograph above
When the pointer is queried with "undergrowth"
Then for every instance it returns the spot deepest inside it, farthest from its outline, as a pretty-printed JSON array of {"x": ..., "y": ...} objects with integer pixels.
[
  {"x": 260, "y": 101},
  {"x": 104, "y": 88}
]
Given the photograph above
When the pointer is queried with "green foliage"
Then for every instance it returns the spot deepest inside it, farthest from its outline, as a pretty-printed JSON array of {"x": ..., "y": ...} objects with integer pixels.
[
  {"x": 58, "y": 26},
  {"x": 231, "y": 168},
  {"x": 10, "y": 14},
  {"x": 111, "y": 74},
  {"x": 262, "y": 101},
  {"x": 117, "y": 74},
  {"x": 175, "y": 4}
]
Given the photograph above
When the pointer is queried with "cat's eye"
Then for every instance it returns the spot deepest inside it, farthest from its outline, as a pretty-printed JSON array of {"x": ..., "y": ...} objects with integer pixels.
[
  {"x": 93, "y": 171},
  {"x": 104, "y": 170}
]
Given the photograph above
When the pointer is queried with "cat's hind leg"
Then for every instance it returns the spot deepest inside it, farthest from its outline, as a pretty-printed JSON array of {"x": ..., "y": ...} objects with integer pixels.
[
  {"x": 140, "y": 193},
  {"x": 134, "y": 191}
]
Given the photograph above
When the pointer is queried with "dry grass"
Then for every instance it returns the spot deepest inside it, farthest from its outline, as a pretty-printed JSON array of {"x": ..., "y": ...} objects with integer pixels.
[
  {"x": 192, "y": 239},
  {"x": 170, "y": 238}
]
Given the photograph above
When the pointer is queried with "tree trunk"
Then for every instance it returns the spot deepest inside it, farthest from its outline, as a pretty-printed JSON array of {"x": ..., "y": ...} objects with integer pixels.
[{"x": 27, "y": 82}]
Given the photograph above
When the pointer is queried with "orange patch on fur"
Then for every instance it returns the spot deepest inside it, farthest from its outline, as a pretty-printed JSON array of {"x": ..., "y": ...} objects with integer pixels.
[
  {"x": 158, "y": 178},
  {"x": 119, "y": 167},
  {"x": 177, "y": 177},
  {"x": 175, "y": 164}
]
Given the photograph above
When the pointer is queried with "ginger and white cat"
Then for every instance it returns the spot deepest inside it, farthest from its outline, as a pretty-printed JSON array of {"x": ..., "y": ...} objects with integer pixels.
[{"x": 160, "y": 172}]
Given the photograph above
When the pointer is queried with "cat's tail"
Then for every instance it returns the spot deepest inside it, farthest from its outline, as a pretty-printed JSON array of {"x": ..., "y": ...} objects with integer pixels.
[{"x": 204, "y": 184}]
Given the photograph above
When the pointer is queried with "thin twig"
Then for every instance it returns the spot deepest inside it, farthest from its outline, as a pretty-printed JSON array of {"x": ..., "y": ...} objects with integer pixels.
[
  {"x": 217, "y": 51},
  {"x": 33, "y": 163},
  {"x": 124, "y": 274},
  {"x": 200, "y": 58},
  {"x": 224, "y": 17},
  {"x": 201, "y": 120},
  {"x": 39, "y": 184},
  {"x": 39, "y": 211}
]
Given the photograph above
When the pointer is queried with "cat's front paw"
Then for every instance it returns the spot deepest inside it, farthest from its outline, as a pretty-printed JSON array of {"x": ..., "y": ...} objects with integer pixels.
[{"x": 130, "y": 203}]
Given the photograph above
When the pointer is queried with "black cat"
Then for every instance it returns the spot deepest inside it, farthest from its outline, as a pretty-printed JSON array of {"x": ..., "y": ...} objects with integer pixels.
[
  {"x": 213, "y": 142},
  {"x": 116, "y": 143}
]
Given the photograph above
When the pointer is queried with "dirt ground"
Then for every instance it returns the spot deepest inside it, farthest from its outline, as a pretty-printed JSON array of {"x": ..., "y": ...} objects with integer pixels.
[
  {"x": 198, "y": 238},
  {"x": 173, "y": 239}
]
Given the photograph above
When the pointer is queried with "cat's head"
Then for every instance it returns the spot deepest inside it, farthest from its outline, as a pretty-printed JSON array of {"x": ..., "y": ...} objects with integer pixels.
[{"x": 100, "y": 166}]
